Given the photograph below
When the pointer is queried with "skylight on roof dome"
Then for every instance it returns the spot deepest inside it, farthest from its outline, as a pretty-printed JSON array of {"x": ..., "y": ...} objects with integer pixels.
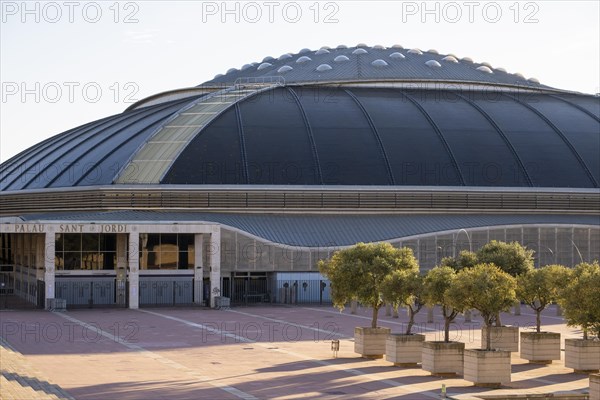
[
  {"x": 533, "y": 80},
  {"x": 485, "y": 69},
  {"x": 341, "y": 58},
  {"x": 321, "y": 51},
  {"x": 397, "y": 46},
  {"x": 303, "y": 59},
  {"x": 263, "y": 66},
  {"x": 325, "y": 48},
  {"x": 360, "y": 51},
  {"x": 397, "y": 55},
  {"x": 487, "y": 64},
  {"x": 433, "y": 64},
  {"x": 268, "y": 59},
  {"x": 415, "y": 51},
  {"x": 433, "y": 51},
  {"x": 285, "y": 68},
  {"x": 230, "y": 70},
  {"x": 324, "y": 67},
  {"x": 501, "y": 69},
  {"x": 246, "y": 66},
  {"x": 379, "y": 47},
  {"x": 450, "y": 59},
  {"x": 284, "y": 56},
  {"x": 304, "y": 50},
  {"x": 361, "y": 45},
  {"x": 342, "y": 46},
  {"x": 379, "y": 63},
  {"x": 467, "y": 59},
  {"x": 217, "y": 76},
  {"x": 520, "y": 75}
]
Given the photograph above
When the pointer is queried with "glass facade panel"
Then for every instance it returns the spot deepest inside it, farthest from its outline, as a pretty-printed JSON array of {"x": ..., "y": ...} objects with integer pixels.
[
  {"x": 547, "y": 247},
  {"x": 564, "y": 246},
  {"x": 479, "y": 238},
  {"x": 427, "y": 253},
  {"x": 581, "y": 241},
  {"x": 594, "y": 244},
  {"x": 514, "y": 235},
  {"x": 497, "y": 234},
  {"x": 85, "y": 251},
  {"x": 166, "y": 251}
]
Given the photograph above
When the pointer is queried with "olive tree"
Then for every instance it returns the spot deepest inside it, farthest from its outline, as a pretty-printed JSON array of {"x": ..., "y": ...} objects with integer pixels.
[
  {"x": 540, "y": 287},
  {"x": 465, "y": 259},
  {"x": 436, "y": 286},
  {"x": 359, "y": 272},
  {"x": 512, "y": 258},
  {"x": 486, "y": 288},
  {"x": 580, "y": 299},
  {"x": 405, "y": 288}
]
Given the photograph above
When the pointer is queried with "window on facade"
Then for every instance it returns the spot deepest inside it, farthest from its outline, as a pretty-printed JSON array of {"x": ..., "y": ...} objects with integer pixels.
[
  {"x": 87, "y": 251},
  {"x": 166, "y": 251}
]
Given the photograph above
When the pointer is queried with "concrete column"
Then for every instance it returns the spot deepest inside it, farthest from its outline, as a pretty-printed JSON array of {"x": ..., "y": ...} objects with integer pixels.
[
  {"x": 49, "y": 273},
  {"x": 559, "y": 311},
  {"x": 215, "y": 264},
  {"x": 394, "y": 313},
  {"x": 134, "y": 270},
  {"x": 198, "y": 267},
  {"x": 39, "y": 257},
  {"x": 388, "y": 309},
  {"x": 468, "y": 316},
  {"x": 429, "y": 315},
  {"x": 353, "y": 306},
  {"x": 518, "y": 308},
  {"x": 121, "y": 269}
]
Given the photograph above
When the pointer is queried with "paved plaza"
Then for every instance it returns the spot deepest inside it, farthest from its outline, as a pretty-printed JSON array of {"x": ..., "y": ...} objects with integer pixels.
[{"x": 245, "y": 352}]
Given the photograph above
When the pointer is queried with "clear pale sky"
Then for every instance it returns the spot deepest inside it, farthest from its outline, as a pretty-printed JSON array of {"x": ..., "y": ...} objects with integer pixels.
[{"x": 63, "y": 63}]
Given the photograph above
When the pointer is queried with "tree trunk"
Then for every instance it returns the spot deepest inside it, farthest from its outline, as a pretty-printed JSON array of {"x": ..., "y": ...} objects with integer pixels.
[
  {"x": 374, "y": 320},
  {"x": 447, "y": 329},
  {"x": 498, "y": 322},
  {"x": 585, "y": 334},
  {"x": 411, "y": 320},
  {"x": 488, "y": 335},
  {"x": 538, "y": 320}
]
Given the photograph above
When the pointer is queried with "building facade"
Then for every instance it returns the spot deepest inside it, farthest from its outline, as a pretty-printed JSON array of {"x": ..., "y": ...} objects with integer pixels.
[{"x": 239, "y": 186}]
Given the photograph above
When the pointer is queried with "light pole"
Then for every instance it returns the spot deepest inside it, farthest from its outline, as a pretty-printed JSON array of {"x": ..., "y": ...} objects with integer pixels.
[
  {"x": 468, "y": 238},
  {"x": 578, "y": 252}
]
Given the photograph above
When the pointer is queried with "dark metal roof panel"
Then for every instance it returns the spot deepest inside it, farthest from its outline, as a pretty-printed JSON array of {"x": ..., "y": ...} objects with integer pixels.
[{"x": 327, "y": 230}]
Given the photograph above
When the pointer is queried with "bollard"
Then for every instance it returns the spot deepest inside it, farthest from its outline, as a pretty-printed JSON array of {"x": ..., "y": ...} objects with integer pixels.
[{"x": 335, "y": 347}]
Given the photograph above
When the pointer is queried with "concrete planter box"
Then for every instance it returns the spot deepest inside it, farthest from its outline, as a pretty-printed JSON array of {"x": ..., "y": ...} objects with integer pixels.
[
  {"x": 487, "y": 368},
  {"x": 370, "y": 342},
  {"x": 503, "y": 338},
  {"x": 595, "y": 387},
  {"x": 540, "y": 348},
  {"x": 404, "y": 350},
  {"x": 442, "y": 358},
  {"x": 582, "y": 355}
]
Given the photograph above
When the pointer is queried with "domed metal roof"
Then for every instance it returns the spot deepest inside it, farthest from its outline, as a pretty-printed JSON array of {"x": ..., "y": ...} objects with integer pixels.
[
  {"x": 373, "y": 64},
  {"x": 298, "y": 127}
]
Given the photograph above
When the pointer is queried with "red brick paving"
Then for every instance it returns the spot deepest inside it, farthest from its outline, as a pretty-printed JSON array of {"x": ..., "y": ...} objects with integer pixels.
[{"x": 284, "y": 352}]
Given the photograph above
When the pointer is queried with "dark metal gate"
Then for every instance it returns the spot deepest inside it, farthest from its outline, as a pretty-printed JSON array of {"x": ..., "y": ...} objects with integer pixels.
[
  {"x": 87, "y": 292},
  {"x": 166, "y": 291}
]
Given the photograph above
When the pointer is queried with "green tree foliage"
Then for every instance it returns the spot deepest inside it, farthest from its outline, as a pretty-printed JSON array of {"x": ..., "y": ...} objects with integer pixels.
[
  {"x": 580, "y": 299},
  {"x": 405, "y": 288},
  {"x": 540, "y": 287},
  {"x": 486, "y": 288},
  {"x": 465, "y": 259},
  {"x": 511, "y": 258},
  {"x": 358, "y": 273},
  {"x": 436, "y": 286}
]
